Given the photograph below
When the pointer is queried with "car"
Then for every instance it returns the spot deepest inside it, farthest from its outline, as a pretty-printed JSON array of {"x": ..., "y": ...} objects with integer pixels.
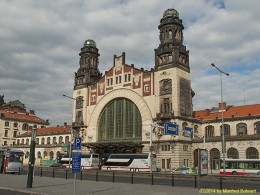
[
  {"x": 257, "y": 174},
  {"x": 57, "y": 165},
  {"x": 185, "y": 171}
]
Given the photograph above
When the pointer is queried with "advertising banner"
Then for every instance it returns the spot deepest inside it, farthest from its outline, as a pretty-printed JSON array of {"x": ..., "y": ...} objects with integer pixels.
[
  {"x": 188, "y": 132},
  {"x": 171, "y": 129},
  {"x": 203, "y": 162}
]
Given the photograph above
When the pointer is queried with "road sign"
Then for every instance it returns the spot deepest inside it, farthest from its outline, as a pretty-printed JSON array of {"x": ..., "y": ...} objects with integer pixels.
[
  {"x": 76, "y": 161},
  {"x": 77, "y": 143},
  {"x": 171, "y": 129},
  {"x": 188, "y": 132}
]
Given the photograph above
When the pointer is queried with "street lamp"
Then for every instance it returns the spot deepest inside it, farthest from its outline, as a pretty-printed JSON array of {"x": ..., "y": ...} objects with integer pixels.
[
  {"x": 32, "y": 159},
  {"x": 71, "y": 131},
  {"x": 222, "y": 117}
]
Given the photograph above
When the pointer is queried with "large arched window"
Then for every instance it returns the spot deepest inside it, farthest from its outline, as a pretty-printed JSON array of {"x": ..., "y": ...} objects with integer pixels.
[
  {"x": 60, "y": 140},
  {"x": 43, "y": 140},
  {"x": 54, "y": 140},
  {"x": 39, "y": 155},
  {"x": 25, "y": 126},
  {"x": 67, "y": 139},
  {"x": 232, "y": 153},
  {"x": 48, "y": 140},
  {"x": 226, "y": 129},
  {"x": 51, "y": 155},
  {"x": 209, "y": 131},
  {"x": 215, "y": 159},
  {"x": 241, "y": 129},
  {"x": 257, "y": 127},
  {"x": 252, "y": 153},
  {"x": 120, "y": 119}
]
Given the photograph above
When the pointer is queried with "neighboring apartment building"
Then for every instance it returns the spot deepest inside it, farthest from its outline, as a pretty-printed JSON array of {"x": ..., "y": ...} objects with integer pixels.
[
  {"x": 51, "y": 143},
  {"x": 15, "y": 120},
  {"x": 242, "y": 133}
]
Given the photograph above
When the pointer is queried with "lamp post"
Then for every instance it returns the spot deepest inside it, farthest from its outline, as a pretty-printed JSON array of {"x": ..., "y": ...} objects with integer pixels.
[
  {"x": 222, "y": 117},
  {"x": 71, "y": 131},
  {"x": 32, "y": 159}
]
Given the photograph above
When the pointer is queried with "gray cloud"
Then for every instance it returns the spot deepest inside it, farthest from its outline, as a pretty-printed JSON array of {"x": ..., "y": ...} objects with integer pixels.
[{"x": 41, "y": 40}]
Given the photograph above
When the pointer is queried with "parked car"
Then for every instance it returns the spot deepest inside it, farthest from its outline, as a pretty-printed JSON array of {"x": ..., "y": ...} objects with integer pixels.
[
  {"x": 57, "y": 165},
  {"x": 257, "y": 174},
  {"x": 185, "y": 171}
]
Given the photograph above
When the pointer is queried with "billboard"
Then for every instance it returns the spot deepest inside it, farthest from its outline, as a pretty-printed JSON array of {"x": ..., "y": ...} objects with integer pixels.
[
  {"x": 187, "y": 132},
  {"x": 203, "y": 162}
]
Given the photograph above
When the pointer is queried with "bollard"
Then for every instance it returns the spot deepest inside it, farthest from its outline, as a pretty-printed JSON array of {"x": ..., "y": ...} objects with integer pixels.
[
  {"x": 172, "y": 180},
  {"x": 132, "y": 178},
  {"x": 220, "y": 183},
  {"x": 52, "y": 173},
  {"x": 80, "y": 175},
  {"x": 66, "y": 174},
  {"x": 152, "y": 178},
  {"x": 41, "y": 172},
  {"x": 113, "y": 177},
  {"x": 195, "y": 181},
  {"x": 97, "y": 176}
]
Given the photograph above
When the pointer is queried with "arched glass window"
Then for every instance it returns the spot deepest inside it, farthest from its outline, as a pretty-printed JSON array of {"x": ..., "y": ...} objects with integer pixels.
[
  {"x": 48, "y": 140},
  {"x": 43, "y": 140},
  {"x": 15, "y": 124},
  {"x": 27, "y": 141},
  {"x": 232, "y": 153},
  {"x": 45, "y": 155},
  {"x": 37, "y": 140},
  {"x": 195, "y": 128},
  {"x": 54, "y": 140},
  {"x": 257, "y": 127},
  {"x": 22, "y": 141},
  {"x": 120, "y": 119},
  {"x": 39, "y": 155},
  {"x": 226, "y": 129},
  {"x": 18, "y": 142},
  {"x": 252, "y": 153},
  {"x": 67, "y": 139},
  {"x": 60, "y": 140},
  {"x": 241, "y": 129},
  {"x": 209, "y": 131},
  {"x": 215, "y": 159},
  {"x": 25, "y": 126},
  {"x": 6, "y": 123},
  {"x": 51, "y": 155}
]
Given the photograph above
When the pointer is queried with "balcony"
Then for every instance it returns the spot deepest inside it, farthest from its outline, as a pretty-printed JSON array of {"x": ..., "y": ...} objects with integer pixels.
[{"x": 77, "y": 124}]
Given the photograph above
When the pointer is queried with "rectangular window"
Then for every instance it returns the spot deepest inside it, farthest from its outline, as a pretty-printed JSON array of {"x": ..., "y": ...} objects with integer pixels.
[
  {"x": 125, "y": 77},
  {"x": 185, "y": 147},
  {"x": 129, "y": 77},
  {"x": 116, "y": 80},
  {"x": 119, "y": 79},
  {"x": 163, "y": 163},
  {"x": 146, "y": 88},
  {"x": 15, "y": 134},
  {"x": 6, "y": 133},
  {"x": 168, "y": 163}
]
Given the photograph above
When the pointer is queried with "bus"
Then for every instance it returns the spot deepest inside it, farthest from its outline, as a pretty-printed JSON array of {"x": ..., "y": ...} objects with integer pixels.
[
  {"x": 88, "y": 161},
  {"x": 130, "y": 162},
  {"x": 11, "y": 160},
  {"x": 240, "y": 166}
]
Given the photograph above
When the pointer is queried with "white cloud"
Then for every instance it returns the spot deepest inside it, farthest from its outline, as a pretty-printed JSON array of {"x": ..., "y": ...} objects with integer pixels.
[{"x": 41, "y": 40}]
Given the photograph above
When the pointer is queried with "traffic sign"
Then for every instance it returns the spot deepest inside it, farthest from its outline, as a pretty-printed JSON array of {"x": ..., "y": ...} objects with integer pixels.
[
  {"x": 76, "y": 161},
  {"x": 171, "y": 129},
  {"x": 77, "y": 143}
]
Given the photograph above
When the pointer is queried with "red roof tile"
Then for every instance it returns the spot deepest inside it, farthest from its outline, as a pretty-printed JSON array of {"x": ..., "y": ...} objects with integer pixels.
[
  {"x": 48, "y": 131},
  {"x": 230, "y": 112},
  {"x": 14, "y": 114}
]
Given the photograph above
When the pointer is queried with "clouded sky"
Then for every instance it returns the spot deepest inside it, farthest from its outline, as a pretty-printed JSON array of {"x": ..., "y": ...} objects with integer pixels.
[{"x": 41, "y": 40}]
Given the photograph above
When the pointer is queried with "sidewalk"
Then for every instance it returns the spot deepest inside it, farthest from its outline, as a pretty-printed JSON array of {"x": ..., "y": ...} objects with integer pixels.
[{"x": 58, "y": 186}]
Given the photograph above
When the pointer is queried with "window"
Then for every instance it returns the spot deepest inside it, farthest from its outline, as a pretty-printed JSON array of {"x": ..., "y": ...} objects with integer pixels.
[
  {"x": 27, "y": 141},
  {"x": 209, "y": 131},
  {"x": 43, "y": 140},
  {"x": 185, "y": 147},
  {"x": 252, "y": 153},
  {"x": 226, "y": 129},
  {"x": 25, "y": 126},
  {"x": 15, "y": 134},
  {"x": 241, "y": 129},
  {"x": 60, "y": 140},
  {"x": 51, "y": 155},
  {"x": 166, "y": 148},
  {"x": 257, "y": 127},
  {"x": 6, "y": 133},
  {"x": 195, "y": 128},
  {"x": 163, "y": 163},
  {"x": 54, "y": 141},
  {"x": 48, "y": 140},
  {"x": 37, "y": 141},
  {"x": 67, "y": 139},
  {"x": 5, "y": 143},
  {"x": 120, "y": 119},
  {"x": 39, "y": 155},
  {"x": 18, "y": 142},
  {"x": 6, "y": 123},
  {"x": 15, "y": 124},
  {"x": 22, "y": 141},
  {"x": 129, "y": 77},
  {"x": 146, "y": 88},
  {"x": 232, "y": 153}
]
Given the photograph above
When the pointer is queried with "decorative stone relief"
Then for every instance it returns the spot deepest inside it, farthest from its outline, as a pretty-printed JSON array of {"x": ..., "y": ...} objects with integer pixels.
[{"x": 136, "y": 79}]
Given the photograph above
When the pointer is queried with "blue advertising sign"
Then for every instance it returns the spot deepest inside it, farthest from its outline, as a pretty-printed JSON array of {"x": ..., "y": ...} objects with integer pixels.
[
  {"x": 187, "y": 132},
  {"x": 76, "y": 161},
  {"x": 171, "y": 129},
  {"x": 77, "y": 143}
]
